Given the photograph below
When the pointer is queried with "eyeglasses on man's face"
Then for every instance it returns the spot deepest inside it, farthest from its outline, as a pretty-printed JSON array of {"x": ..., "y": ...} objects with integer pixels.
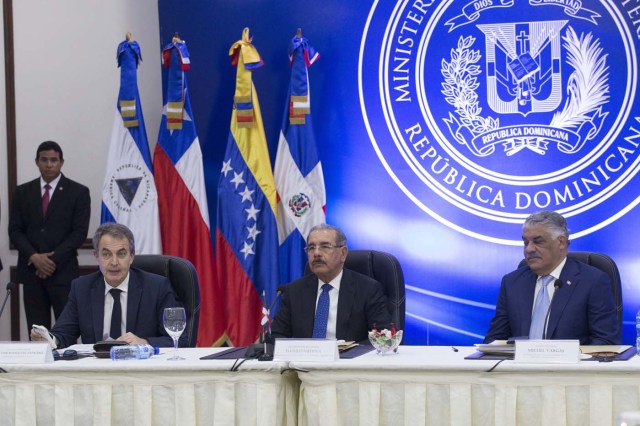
[{"x": 322, "y": 248}]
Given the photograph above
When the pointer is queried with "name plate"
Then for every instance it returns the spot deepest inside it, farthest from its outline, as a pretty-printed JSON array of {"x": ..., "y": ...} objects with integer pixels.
[
  {"x": 548, "y": 351},
  {"x": 25, "y": 353},
  {"x": 311, "y": 350}
]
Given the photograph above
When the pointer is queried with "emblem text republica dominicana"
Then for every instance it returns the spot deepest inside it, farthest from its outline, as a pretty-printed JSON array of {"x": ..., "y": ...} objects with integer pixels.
[{"x": 503, "y": 107}]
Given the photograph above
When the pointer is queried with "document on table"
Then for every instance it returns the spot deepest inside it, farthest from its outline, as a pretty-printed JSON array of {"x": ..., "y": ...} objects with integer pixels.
[
  {"x": 343, "y": 346},
  {"x": 496, "y": 347},
  {"x": 600, "y": 349}
]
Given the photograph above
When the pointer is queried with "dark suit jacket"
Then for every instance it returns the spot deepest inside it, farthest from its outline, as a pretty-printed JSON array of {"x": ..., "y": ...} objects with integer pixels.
[
  {"x": 582, "y": 308},
  {"x": 63, "y": 230},
  {"x": 83, "y": 316},
  {"x": 361, "y": 304}
]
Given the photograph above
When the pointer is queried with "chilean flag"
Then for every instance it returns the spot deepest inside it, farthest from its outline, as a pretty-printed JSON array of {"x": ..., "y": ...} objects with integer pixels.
[
  {"x": 298, "y": 172},
  {"x": 129, "y": 193},
  {"x": 246, "y": 234},
  {"x": 179, "y": 176}
]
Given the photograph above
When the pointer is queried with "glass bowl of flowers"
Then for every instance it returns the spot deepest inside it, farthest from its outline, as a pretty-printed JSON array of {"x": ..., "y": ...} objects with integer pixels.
[{"x": 385, "y": 341}]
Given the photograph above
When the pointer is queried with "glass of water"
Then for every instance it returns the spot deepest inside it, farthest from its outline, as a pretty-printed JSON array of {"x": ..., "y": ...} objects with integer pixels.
[{"x": 174, "y": 321}]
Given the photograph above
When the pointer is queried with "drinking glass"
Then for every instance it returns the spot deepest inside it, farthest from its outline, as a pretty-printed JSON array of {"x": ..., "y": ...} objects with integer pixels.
[{"x": 174, "y": 321}]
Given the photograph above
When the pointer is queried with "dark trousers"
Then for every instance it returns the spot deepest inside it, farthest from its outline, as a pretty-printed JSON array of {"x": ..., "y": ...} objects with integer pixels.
[{"x": 38, "y": 301}]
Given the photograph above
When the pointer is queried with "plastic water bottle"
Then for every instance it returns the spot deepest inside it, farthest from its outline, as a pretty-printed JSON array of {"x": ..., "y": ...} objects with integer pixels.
[
  {"x": 638, "y": 333},
  {"x": 120, "y": 353}
]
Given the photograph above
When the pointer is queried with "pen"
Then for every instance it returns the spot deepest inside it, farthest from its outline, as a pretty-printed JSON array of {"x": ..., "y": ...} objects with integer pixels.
[{"x": 454, "y": 348}]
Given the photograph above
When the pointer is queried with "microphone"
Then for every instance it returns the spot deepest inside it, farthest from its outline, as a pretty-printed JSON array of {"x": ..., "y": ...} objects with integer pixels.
[
  {"x": 557, "y": 284},
  {"x": 11, "y": 287},
  {"x": 264, "y": 350},
  {"x": 281, "y": 289}
]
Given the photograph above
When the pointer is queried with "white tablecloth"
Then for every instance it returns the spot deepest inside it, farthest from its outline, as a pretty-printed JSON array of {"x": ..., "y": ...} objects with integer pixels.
[
  {"x": 418, "y": 386},
  {"x": 437, "y": 386},
  {"x": 94, "y": 391}
]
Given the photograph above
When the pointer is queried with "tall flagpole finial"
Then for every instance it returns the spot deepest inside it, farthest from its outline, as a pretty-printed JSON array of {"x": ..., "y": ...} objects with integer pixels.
[
  {"x": 245, "y": 35},
  {"x": 299, "y": 33},
  {"x": 128, "y": 36},
  {"x": 176, "y": 38}
]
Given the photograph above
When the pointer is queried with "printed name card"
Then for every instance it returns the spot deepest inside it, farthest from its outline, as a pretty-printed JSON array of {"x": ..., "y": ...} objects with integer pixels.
[
  {"x": 310, "y": 350},
  {"x": 25, "y": 353},
  {"x": 548, "y": 351}
]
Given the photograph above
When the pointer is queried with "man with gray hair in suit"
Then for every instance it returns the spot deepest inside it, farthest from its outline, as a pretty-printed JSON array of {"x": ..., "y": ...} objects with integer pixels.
[
  {"x": 554, "y": 296},
  {"x": 332, "y": 302}
]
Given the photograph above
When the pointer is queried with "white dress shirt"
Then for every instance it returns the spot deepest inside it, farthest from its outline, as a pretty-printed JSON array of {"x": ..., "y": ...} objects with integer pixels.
[
  {"x": 108, "y": 307},
  {"x": 550, "y": 288},
  {"x": 52, "y": 184}
]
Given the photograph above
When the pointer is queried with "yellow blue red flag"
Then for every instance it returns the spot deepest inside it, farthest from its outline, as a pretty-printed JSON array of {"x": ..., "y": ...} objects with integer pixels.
[{"x": 246, "y": 234}]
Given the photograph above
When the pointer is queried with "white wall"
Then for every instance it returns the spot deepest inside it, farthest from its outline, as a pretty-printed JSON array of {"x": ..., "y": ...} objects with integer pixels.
[{"x": 67, "y": 84}]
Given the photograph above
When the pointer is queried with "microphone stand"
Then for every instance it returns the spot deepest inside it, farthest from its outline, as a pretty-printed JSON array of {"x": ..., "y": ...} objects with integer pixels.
[
  {"x": 557, "y": 284},
  {"x": 264, "y": 350},
  {"x": 10, "y": 287}
]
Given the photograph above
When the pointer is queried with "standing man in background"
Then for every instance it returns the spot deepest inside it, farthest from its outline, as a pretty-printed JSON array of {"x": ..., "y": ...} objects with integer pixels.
[{"x": 48, "y": 222}]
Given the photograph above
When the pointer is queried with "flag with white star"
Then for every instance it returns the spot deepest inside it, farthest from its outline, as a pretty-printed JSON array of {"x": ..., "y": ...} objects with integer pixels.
[
  {"x": 179, "y": 175},
  {"x": 129, "y": 194},
  {"x": 246, "y": 235},
  {"x": 298, "y": 171}
]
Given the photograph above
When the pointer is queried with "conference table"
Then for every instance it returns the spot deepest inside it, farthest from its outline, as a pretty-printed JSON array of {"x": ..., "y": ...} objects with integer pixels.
[
  {"x": 155, "y": 391},
  {"x": 421, "y": 385},
  {"x": 435, "y": 385}
]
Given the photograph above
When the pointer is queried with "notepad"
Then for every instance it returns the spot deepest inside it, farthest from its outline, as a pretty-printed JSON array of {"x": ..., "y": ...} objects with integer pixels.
[{"x": 497, "y": 347}]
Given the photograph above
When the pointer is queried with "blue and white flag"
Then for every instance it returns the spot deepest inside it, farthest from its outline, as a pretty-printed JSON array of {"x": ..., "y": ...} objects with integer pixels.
[
  {"x": 129, "y": 192},
  {"x": 298, "y": 172}
]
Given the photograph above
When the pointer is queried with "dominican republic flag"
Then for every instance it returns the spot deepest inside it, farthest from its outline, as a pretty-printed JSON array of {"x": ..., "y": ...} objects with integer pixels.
[
  {"x": 298, "y": 172},
  {"x": 246, "y": 235},
  {"x": 184, "y": 215},
  {"x": 129, "y": 193}
]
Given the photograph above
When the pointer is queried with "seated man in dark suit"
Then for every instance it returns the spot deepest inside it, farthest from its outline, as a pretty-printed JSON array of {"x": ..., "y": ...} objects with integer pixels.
[
  {"x": 118, "y": 301},
  {"x": 333, "y": 302},
  {"x": 553, "y": 296}
]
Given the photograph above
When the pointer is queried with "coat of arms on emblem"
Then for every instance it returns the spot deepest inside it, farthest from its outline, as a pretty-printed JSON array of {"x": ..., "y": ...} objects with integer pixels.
[
  {"x": 523, "y": 76},
  {"x": 300, "y": 204}
]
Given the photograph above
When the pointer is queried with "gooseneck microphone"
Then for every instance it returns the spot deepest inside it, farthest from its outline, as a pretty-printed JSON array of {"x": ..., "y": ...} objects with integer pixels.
[
  {"x": 264, "y": 350},
  {"x": 557, "y": 284},
  {"x": 10, "y": 288},
  {"x": 281, "y": 289}
]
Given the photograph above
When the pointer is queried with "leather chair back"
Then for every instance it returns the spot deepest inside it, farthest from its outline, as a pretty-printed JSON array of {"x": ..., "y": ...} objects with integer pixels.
[
  {"x": 608, "y": 266},
  {"x": 184, "y": 280},
  {"x": 384, "y": 268}
]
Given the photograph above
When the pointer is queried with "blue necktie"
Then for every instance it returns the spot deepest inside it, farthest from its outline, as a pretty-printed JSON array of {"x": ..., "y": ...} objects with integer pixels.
[
  {"x": 322, "y": 313},
  {"x": 540, "y": 310}
]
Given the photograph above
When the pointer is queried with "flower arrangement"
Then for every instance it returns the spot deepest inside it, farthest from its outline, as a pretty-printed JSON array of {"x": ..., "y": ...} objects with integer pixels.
[{"x": 385, "y": 340}]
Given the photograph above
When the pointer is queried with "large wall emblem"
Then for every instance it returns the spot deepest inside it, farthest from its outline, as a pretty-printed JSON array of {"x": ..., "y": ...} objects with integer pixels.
[{"x": 485, "y": 111}]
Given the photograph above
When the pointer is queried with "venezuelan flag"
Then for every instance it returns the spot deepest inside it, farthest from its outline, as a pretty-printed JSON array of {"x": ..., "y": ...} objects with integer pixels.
[{"x": 246, "y": 234}]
